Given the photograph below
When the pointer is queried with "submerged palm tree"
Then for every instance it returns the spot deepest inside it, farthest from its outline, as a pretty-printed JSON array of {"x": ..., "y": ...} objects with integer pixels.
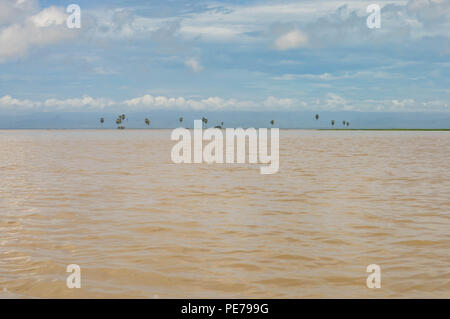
[
  {"x": 332, "y": 122},
  {"x": 147, "y": 121},
  {"x": 272, "y": 122},
  {"x": 123, "y": 117},
  {"x": 119, "y": 121},
  {"x": 204, "y": 120},
  {"x": 348, "y": 123},
  {"x": 221, "y": 124},
  {"x": 317, "y": 117},
  {"x": 181, "y": 120},
  {"x": 343, "y": 123},
  {"x": 102, "y": 120}
]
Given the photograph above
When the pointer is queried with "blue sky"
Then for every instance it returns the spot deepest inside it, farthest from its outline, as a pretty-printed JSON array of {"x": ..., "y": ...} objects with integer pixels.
[{"x": 268, "y": 56}]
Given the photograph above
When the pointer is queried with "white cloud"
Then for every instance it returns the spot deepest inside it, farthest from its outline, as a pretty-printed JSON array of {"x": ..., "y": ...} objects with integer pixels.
[
  {"x": 12, "y": 11},
  {"x": 234, "y": 23},
  {"x": 84, "y": 103},
  {"x": 367, "y": 74},
  {"x": 291, "y": 40},
  {"x": 193, "y": 64},
  {"x": 148, "y": 102},
  {"x": 212, "y": 103},
  {"x": 45, "y": 27},
  {"x": 276, "y": 103},
  {"x": 290, "y": 77},
  {"x": 51, "y": 16},
  {"x": 322, "y": 23},
  {"x": 336, "y": 102},
  {"x": 7, "y": 102}
]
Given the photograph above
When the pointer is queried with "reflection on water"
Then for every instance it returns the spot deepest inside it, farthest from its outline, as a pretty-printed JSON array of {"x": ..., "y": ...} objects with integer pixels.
[{"x": 141, "y": 226}]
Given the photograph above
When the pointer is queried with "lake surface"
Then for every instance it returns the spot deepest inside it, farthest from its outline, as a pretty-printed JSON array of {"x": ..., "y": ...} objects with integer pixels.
[{"x": 140, "y": 226}]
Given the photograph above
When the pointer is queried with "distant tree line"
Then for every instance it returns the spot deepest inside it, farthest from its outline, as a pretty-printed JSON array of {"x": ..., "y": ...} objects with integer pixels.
[{"x": 120, "y": 122}]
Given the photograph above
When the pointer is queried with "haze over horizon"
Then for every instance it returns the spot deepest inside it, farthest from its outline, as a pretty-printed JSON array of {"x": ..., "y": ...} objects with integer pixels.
[
  {"x": 161, "y": 119},
  {"x": 287, "y": 59}
]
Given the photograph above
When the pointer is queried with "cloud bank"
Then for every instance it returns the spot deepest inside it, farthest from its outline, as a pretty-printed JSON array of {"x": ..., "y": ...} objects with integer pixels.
[{"x": 148, "y": 102}]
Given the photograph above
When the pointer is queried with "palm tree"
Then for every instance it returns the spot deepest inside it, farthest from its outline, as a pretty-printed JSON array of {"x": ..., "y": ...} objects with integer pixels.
[
  {"x": 272, "y": 122},
  {"x": 181, "y": 120},
  {"x": 119, "y": 121},
  {"x": 332, "y": 122},
  {"x": 343, "y": 123},
  {"x": 204, "y": 120},
  {"x": 348, "y": 123},
  {"x": 147, "y": 121},
  {"x": 102, "y": 120},
  {"x": 221, "y": 124},
  {"x": 317, "y": 117}
]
